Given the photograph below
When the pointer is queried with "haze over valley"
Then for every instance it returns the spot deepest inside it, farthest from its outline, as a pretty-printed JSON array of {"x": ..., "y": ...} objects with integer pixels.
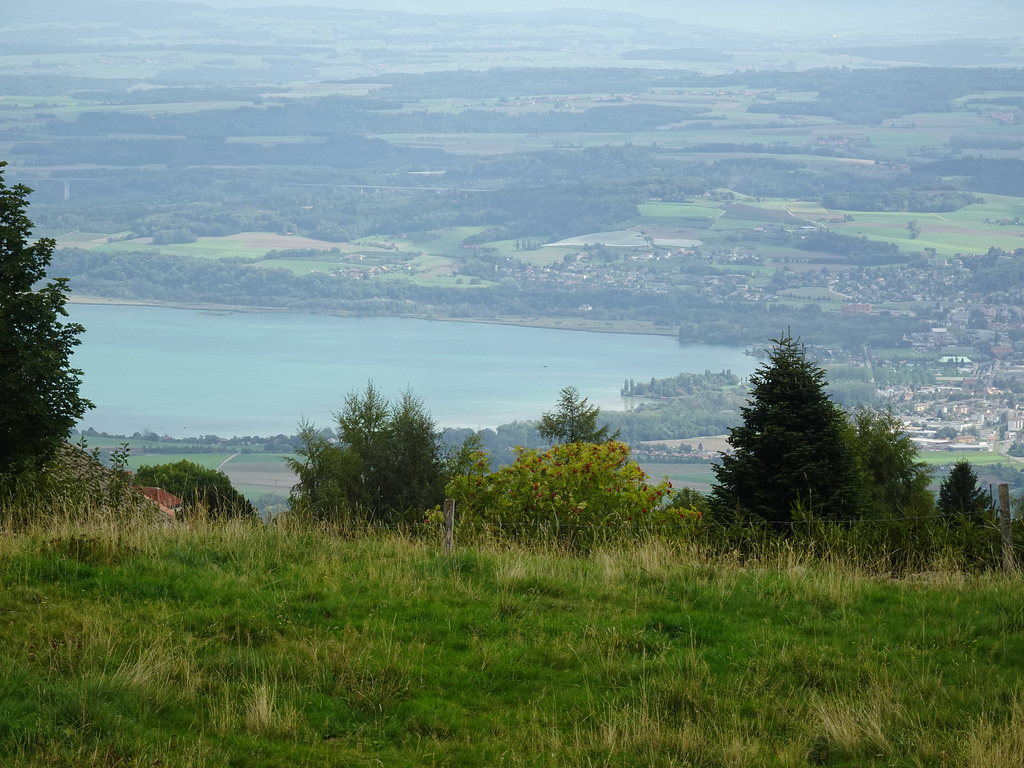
[
  {"x": 556, "y": 383},
  {"x": 714, "y": 174}
]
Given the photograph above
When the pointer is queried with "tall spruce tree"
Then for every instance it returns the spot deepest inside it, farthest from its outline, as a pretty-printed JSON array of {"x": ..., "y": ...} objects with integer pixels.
[
  {"x": 960, "y": 494},
  {"x": 792, "y": 446}
]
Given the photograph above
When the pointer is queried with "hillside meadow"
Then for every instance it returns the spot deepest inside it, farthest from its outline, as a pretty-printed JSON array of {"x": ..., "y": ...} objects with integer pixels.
[{"x": 213, "y": 644}]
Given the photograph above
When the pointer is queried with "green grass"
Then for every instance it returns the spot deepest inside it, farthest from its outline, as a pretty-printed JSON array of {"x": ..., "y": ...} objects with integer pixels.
[
  {"x": 978, "y": 458},
  {"x": 205, "y": 248},
  {"x": 231, "y": 644},
  {"x": 669, "y": 210},
  {"x": 950, "y": 233},
  {"x": 699, "y": 477}
]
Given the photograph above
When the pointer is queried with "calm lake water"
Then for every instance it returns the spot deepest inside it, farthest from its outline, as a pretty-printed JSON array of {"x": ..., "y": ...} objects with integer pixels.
[{"x": 183, "y": 372}]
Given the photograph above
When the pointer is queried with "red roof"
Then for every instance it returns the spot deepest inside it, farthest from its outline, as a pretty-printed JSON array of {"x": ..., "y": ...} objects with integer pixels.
[{"x": 168, "y": 502}]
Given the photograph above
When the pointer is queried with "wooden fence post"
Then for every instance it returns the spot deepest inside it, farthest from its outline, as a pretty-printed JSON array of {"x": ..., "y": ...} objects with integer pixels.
[
  {"x": 449, "y": 524},
  {"x": 1004, "y": 525}
]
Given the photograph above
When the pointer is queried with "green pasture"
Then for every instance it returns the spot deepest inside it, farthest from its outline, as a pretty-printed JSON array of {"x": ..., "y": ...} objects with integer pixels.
[
  {"x": 479, "y": 143},
  {"x": 997, "y": 154},
  {"x": 947, "y": 233},
  {"x": 977, "y": 458},
  {"x": 204, "y": 248},
  {"x": 961, "y": 101},
  {"x": 807, "y": 210},
  {"x": 48, "y": 103},
  {"x": 700, "y": 476},
  {"x": 434, "y": 263},
  {"x": 962, "y": 231},
  {"x": 689, "y": 210},
  {"x": 270, "y": 140},
  {"x": 259, "y": 457},
  {"x": 452, "y": 105},
  {"x": 775, "y": 204},
  {"x": 69, "y": 109},
  {"x": 995, "y": 207},
  {"x": 438, "y": 242},
  {"x": 235, "y": 247},
  {"x": 812, "y": 294},
  {"x": 907, "y": 134},
  {"x": 178, "y": 108},
  {"x": 495, "y": 143},
  {"x": 140, "y": 63},
  {"x": 254, "y": 474},
  {"x": 216, "y": 644},
  {"x": 439, "y": 280},
  {"x": 754, "y": 135},
  {"x": 83, "y": 239}
]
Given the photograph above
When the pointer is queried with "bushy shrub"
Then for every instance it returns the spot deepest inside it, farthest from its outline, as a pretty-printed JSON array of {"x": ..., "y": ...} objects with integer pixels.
[{"x": 573, "y": 492}]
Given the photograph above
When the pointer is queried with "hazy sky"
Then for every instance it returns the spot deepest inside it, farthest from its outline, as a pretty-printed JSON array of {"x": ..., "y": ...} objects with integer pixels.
[{"x": 798, "y": 15}]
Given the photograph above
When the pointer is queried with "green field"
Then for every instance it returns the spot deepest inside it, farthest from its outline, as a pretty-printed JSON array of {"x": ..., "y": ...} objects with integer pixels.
[
  {"x": 204, "y": 645},
  {"x": 978, "y": 458},
  {"x": 203, "y": 248},
  {"x": 699, "y": 477},
  {"x": 962, "y": 231},
  {"x": 695, "y": 210}
]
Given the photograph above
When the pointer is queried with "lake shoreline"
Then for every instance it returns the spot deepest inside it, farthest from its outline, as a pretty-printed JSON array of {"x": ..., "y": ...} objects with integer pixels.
[
  {"x": 209, "y": 369},
  {"x": 552, "y": 323}
]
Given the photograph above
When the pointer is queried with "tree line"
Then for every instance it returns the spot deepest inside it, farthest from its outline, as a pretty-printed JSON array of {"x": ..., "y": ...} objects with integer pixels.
[{"x": 164, "y": 277}]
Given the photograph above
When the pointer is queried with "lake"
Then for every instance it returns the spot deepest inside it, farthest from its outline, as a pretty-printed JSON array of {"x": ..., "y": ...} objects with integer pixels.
[{"x": 186, "y": 373}]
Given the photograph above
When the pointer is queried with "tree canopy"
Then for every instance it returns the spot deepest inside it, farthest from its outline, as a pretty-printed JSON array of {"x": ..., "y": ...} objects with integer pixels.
[
  {"x": 389, "y": 461},
  {"x": 39, "y": 397},
  {"x": 197, "y": 486},
  {"x": 893, "y": 479},
  {"x": 574, "y": 422}
]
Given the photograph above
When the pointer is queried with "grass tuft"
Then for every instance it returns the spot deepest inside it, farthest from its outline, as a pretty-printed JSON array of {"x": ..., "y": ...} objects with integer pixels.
[{"x": 210, "y": 643}]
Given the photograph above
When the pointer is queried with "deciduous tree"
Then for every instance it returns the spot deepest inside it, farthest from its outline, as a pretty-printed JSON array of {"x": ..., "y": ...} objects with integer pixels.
[
  {"x": 39, "y": 390},
  {"x": 894, "y": 481}
]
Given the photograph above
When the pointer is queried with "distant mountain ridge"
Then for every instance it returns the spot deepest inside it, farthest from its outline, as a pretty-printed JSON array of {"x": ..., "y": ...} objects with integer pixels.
[{"x": 994, "y": 17}]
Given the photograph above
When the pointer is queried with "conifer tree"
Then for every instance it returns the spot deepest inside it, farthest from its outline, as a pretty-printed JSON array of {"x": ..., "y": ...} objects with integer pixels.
[
  {"x": 960, "y": 494},
  {"x": 792, "y": 446},
  {"x": 574, "y": 422}
]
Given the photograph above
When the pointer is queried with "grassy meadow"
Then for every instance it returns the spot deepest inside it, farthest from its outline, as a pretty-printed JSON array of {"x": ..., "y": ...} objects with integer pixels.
[{"x": 236, "y": 644}]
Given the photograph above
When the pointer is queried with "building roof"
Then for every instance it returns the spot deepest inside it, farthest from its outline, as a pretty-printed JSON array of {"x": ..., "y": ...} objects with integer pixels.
[{"x": 167, "y": 501}]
